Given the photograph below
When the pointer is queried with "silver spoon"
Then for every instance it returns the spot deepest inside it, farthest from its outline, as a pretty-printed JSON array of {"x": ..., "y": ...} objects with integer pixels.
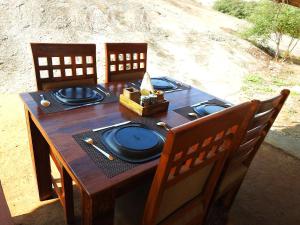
[
  {"x": 193, "y": 114},
  {"x": 44, "y": 102},
  {"x": 91, "y": 142},
  {"x": 106, "y": 93},
  {"x": 163, "y": 124}
]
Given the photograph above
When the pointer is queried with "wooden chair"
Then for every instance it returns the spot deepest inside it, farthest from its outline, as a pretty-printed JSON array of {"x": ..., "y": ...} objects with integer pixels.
[
  {"x": 63, "y": 65},
  {"x": 5, "y": 217},
  {"x": 239, "y": 160},
  {"x": 125, "y": 61},
  {"x": 189, "y": 168}
]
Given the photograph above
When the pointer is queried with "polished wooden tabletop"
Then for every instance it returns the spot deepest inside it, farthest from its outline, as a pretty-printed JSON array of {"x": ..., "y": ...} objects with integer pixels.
[{"x": 58, "y": 128}]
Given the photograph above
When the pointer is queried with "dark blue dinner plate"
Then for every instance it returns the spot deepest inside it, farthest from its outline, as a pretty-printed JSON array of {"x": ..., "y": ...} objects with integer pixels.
[
  {"x": 134, "y": 142},
  {"x": 77, "y": 95},
  {"x": 209, "y": 108},
  {"x": 162, "y": 84}
]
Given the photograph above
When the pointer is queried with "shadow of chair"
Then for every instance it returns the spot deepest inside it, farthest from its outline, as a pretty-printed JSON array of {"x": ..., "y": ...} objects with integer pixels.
[{"x": 50, "y": 212}]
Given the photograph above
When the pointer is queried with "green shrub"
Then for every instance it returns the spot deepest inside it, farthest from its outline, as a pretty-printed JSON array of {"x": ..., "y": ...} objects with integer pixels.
[
  {"x": 238, "y": 8},
  {"x": 271, "y": 21}
]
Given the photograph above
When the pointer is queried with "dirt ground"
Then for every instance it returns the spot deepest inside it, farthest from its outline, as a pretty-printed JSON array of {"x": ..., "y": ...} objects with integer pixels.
[
  {"x": 186, "y": 41},
  {"x": 269, "y": 195}
]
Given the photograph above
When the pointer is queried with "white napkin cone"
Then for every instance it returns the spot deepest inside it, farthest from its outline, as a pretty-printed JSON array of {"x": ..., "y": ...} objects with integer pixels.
[{"x": 146, "y": 86}]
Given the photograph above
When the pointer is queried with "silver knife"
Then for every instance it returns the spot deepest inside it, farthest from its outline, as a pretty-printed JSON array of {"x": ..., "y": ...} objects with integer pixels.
[
  {"x": 179, "y": 89},
  {"x": 79, "y": 106},
  {"x": 199, "y": 103},
  {"x": 114, "y": 125}
]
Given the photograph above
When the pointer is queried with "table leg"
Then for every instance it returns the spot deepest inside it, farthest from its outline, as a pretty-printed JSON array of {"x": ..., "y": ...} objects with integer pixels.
[
  {"x": 39, "y": 149},
  {"x": 98, "y": 209},
  {"x": 68, "y": 204}
]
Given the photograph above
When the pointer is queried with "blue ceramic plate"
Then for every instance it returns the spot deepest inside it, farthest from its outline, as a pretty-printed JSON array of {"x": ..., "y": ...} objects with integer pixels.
[
  {"x": 207, "y": 109},
  {"x": 162, "y": 84},
  {"x": 77, "y": 95},
  {"x": 133, "y": 142}
]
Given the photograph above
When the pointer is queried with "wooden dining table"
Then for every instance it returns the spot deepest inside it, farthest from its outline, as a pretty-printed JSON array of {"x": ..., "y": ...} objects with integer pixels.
[{"x": 51, "y": 134}]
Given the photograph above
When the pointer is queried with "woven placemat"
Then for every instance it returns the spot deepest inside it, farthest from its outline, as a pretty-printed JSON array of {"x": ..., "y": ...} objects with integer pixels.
[
  {"x": 184, "y": 111},
  {"x": 180, "y": 86},
  {"x": 114, "y": 167},
  {"x": 57, "y": 106}
]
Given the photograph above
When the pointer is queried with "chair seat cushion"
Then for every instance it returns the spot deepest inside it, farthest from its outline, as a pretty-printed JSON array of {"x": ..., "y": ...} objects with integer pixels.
[{"x": 230, "y": 179}]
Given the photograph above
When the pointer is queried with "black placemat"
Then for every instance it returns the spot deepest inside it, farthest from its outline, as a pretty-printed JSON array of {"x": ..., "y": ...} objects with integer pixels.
[
  {"x": 180, "y": 86},
  {"x": 57, "y": 106},
  {"x": 114, "y": 167},
  {"x": 184, "y": 111}
]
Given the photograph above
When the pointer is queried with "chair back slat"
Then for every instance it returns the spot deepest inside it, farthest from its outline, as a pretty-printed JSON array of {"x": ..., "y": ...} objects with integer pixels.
[
  {"x": 269, "y": 104},
  {"x": 260, "y": 125},
  {"x": 252, "y": 133},
  {"x": 125, "y": 61},
  {"x": 262, "y": 119},
  {"x": 191, "y": 163},
  {"x": 59, "y": 65}
]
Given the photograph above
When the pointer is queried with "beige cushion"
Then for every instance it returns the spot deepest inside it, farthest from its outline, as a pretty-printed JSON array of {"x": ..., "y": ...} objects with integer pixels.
[
  {"x": 68, "y": 83},
  {"x": 231, "y": 177},
  {"x": 182, "y": 192},
  {"x": 130, "y": 207}
]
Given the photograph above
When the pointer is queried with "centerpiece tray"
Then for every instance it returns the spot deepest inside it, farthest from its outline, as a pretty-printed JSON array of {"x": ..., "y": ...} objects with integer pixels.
[{"x": 130, "y": 99}]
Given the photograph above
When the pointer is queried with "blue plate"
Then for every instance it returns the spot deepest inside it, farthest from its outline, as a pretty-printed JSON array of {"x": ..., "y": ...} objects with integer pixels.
[
  {"x": 133, "y": 142},
  {"x": 208, "y": 108},
  {"x": 162, "y": 84},
  {"x": 77, "y": 95}
]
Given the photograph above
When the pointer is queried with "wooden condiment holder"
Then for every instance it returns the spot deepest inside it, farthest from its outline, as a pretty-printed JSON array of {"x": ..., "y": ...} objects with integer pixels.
[{"x": 131, "y": 99}]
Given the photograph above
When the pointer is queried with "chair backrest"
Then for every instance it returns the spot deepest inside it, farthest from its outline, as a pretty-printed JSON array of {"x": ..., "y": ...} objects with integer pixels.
[
  {"x": 125, "y": 61},
  {"x": 258, "y": 128},
  {"x": 62, "y": 65},
  {"x": 191, "y": 163}
]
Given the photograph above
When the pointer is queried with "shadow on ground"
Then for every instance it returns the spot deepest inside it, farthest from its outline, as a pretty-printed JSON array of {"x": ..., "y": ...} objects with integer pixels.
[{"x": 50, "y": 213}]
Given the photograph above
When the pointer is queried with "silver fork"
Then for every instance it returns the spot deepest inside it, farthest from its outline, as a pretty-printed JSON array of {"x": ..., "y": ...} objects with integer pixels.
[{"x": 90, "y": 141}]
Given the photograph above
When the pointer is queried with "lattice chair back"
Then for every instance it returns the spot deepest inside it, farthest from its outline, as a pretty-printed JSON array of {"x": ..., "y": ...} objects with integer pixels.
[
  {"x": 63, "y": 65},
  {"x": 125, "y": 61},
  {"x": 191, "y": 163}
]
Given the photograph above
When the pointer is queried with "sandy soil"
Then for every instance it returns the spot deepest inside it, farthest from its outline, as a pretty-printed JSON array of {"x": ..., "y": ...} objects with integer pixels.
[{"x": 186, "y": 41}]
